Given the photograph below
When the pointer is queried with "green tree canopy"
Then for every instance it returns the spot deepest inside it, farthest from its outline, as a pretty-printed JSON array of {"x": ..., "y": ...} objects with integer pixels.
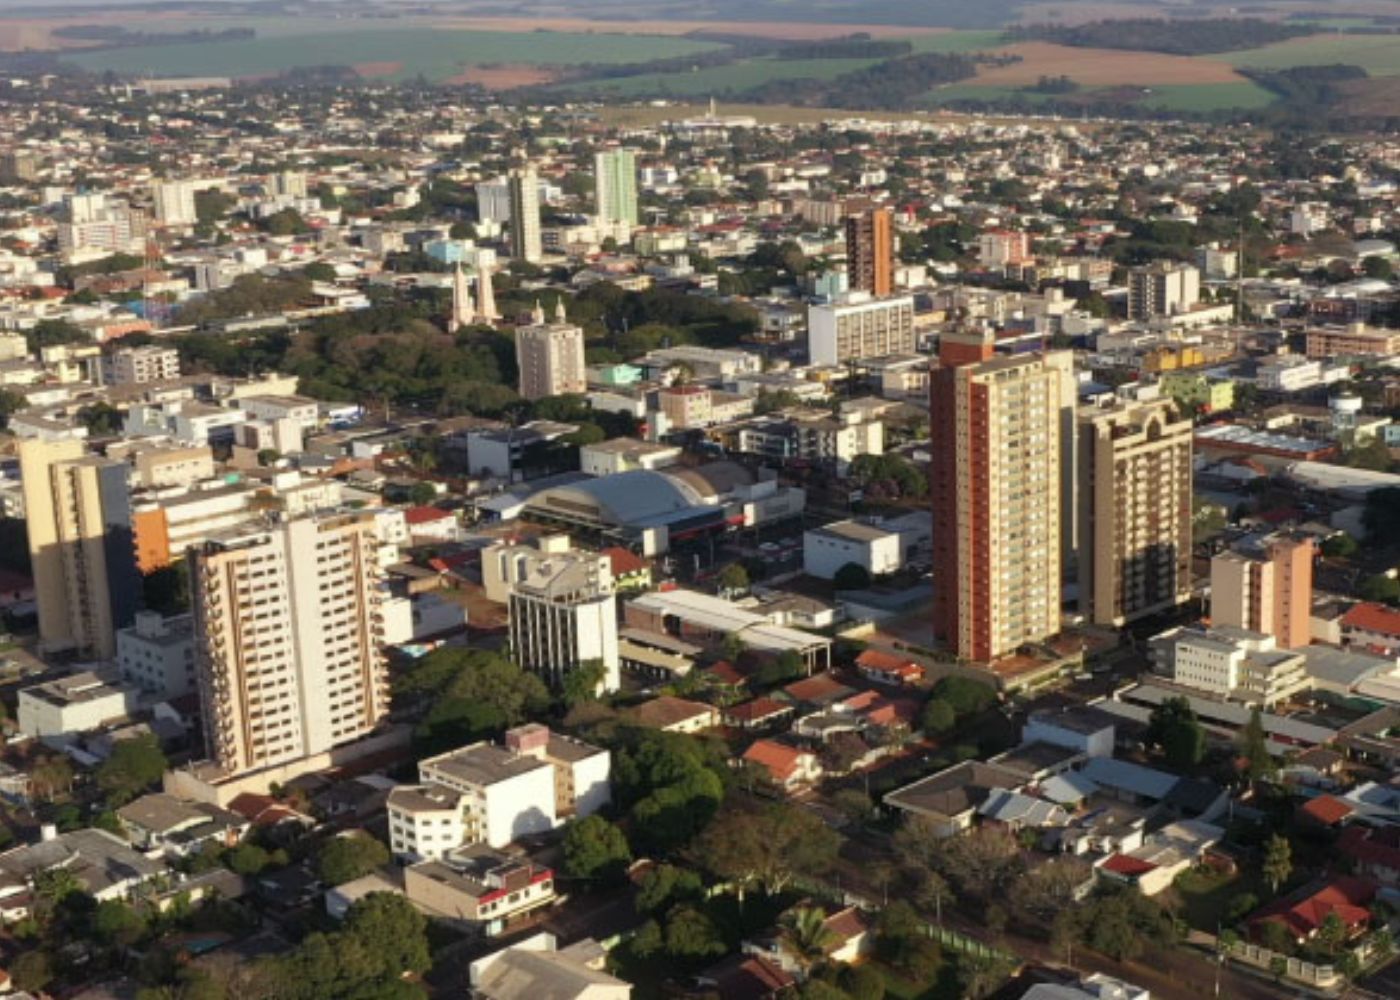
[
  {"x": 1173, "y": 727},
  {"x": 595, "y": 849},
  {"x": 346, "y": 857},
  {"x": 134, "y": 766}
]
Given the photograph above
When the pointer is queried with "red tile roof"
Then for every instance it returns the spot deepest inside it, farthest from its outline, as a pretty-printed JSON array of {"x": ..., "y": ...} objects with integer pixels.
[
  {"x": 624, "y": 561},
  {"x": 759, "y": 708},
  {"x": 1327, "y": 810},
  {"x": 1347, "y": 897},
  {"x": 425, "y": 515},
  {"x": 1374, "y": 847},
  {"x": 1123, "y": 864},
  {"x": 878, "y": 659},
  {"x": 817, "y": 688},
  {"x": 726, "y": 673},
  {"x": 1373, "y": 618},
  {"x": 782, "y": 761}
]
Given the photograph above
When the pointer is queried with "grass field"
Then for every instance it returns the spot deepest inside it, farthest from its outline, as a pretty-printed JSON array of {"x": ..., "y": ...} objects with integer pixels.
[
  {"x": 733, "y": 78},
  {"x": 437, "y": 55},
  {"x": 1379, "y": 55},
  {"x": 1208, "y": 96}
]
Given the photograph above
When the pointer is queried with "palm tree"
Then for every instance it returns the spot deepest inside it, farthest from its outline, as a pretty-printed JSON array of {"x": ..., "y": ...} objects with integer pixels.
[{"x": 806, "y": 935}]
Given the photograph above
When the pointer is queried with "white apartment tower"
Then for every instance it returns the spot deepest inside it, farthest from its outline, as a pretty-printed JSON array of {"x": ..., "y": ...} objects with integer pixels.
[
  {"x": 287, "y": 626},
  {"x": 174, "y": 203},
  {"x": 1162, "y": 289},
  {"x": 525, "y": 241},
  {"x": 550, "y": 356}
]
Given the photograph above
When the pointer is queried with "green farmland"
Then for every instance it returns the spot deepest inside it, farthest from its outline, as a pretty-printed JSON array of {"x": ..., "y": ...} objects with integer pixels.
[
  {"x": 1378, "y": 55},
  {"x": 437, "y": 55}
]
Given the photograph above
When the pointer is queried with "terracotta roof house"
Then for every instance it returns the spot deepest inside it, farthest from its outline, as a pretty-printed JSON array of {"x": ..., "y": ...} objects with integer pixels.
[
  {"x": 1325, "y": 810},
  {"x": 745, "y": 977},
  {"x": 1302, "y": 916},
  {"x": 675, "y": 715},
  {"x": 888, "y": 668},
  {"x": 759, "y": 713},
  {"x": 789, "y": 767},
  {"x": 1372, "y": 626}
]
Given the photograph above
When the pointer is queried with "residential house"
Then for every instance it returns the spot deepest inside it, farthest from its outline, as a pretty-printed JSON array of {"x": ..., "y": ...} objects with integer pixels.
[
  {"x": 951, "y": 797},
  {"x": 674, "y": 715},
  {"x": 536, "y": 969},
  {"x": 1303, "y": 913},
  {"x": 888, "y": 668},
  {"x": 790, "y": 768},
  {"x": 178, "y": 828}
]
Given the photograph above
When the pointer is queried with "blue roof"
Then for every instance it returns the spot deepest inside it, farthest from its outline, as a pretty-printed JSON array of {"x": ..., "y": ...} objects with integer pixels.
[{"x": 639, "y": 497}]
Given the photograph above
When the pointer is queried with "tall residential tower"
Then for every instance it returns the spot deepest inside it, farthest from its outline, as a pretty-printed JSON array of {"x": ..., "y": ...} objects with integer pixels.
[
  {"x": 615, "y": 177},
  {"x": 525, "y": 243},
  {"x": 870, "y": 251}
]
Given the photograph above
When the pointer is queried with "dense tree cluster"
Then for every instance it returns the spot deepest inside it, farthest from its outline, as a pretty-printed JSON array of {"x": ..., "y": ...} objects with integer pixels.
[{"x": 1179, "y": 36}]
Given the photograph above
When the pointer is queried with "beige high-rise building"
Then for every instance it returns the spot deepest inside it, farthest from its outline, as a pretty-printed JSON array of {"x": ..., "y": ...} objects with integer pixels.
[
  {"x": 550, "y": 356},
  {"x": 525, "y": 240},
  {"x": 78, "y": 517},
  {"x": 1265, "y": 585},
  {"x": 998, "y": 495},
  {"x": 1134, "y": 511},
  {"x": 287, "y": 633}
]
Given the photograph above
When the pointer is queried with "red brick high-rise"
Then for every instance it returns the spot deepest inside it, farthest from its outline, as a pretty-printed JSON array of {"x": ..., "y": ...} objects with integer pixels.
[{"x": 870, "y": 251}]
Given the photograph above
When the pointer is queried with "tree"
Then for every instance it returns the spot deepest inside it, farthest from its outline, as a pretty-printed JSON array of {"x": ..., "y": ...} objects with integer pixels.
[
  {"x": 51, "y": 332},
  {"x": 50, "y": 777},
  {"x": 116, "y": 923},
  {"x": 584, "y": 682},
  {"x": 665, "y": 885},
  {"x": 11, "y": 403},
  {"x": 767, "y": 847},
  {"x": 349, "y": 856},
  {"x": 54, "y": 885},
  {"x": 319, "y": 270},
  {"x": 1332, "y": 932},
  {"x": 692, "y": 935},
  {"x": 1341, "y": 546},
  {"x": 733, "y": 578},
  {"x": 247, "y": 859},
  {"x": 1050, "y": 889},
  {"x": 101, "y": 419},
  {"x": 965, "y": 695},
  {"x": 862, "y": 982},
  {"x": 1255, "y": 749},
  {"x": 595, "y": 849},
  {"x": 806, "y": 936},
  {"x": 1173, "y": 727},
  {"x": 1275, "y": 936},
  {"x": 1278, "y": 861},
  {"x": 1380, "y": 588},
  {"x": 937, "y": 717},
  {"x": 134, "y": 766},
  {"x": 32, "y": 971},
  {"x": 851, "y": 576},
  {"x": 390, "y": 928}
]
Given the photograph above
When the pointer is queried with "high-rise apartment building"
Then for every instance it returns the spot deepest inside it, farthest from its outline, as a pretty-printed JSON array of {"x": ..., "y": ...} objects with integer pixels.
[
  {"x": 997, "y": 486},
  {"x": 78, "y": 517},
  {"x": 19, "y": 165},
  {"x": 1265, "y": 585},
  {"x": 550, "y": 356},
  {"x": 493, "y": 201},
  {"x": 174, "y": 203},
  {"x": 1000, "y": 247},
  {"x": 1162, "y": 289},
  {"x": 1134, "y": 509},
  {"x": 287, "y": 627},
  {"x": 138, "y": 365},
  {"x": 525, "y": 243},
  {"x": 870, "y": 251},
  {"x": 615, "y": 178},
  {"x": 860, "y": 327}
]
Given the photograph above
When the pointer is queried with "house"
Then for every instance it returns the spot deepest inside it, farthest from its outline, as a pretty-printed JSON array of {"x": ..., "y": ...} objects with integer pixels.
[
  {"x": 1326, "y": 811},
  {"x": 852, "y": 935},
  {"x": 887, "y": 668},
  {"x": 675, "y": 715},
  {"x": 103, "y": 864},
  {"x": 427, "y": 525},
  {"x": 1089, "y": 730},
  {"x": 1163, "y": 856},
  {"x": 789, "y": 767},
  {"x": 630, "y": 571},
  {"x": 536, "y": 969},
  {"x": 178, "y": 828},
  {"x": 1372, "y": 627},
  {"x": 951, "y": 797},
  {"x": 745, "y": 977},
  {"x": 1016, "y": 811},
  {"x": 817, "y": 691},
  {"x": 758, "y": 714},
  {"x": 1095, "y": 987},
  {"x": 1374, "y": 852},
  {"x": 1303, "y": 913}
]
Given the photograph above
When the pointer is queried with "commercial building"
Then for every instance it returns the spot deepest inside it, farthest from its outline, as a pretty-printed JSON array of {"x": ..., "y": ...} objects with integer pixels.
[
  {"x": 997, "y": 485},
  {"x": 156, "y": 654},
  {"x": 1162, "y": 289},
  {"x": 870, "y": 251},
  {"x": 550, "y": 357},
  {"x": 1265, "y": 585},
  {"x": 59, "y": 710},
  {"x": 874, "y": 549},
  {"x": 78, "y": 518},
  {"x": 1231, "y": 663},
  {"x": 1356, "y": 340},
  {"x": 287, "y": 625},
  {"x": 860, "y": 327},
  {"x": 692, "y": 616},
  {"x": 615, "y": 186},
  {"x": 139, "y": 365},
  {"x": 608, "y": 458},
  {"x": 1135, "y": 511},
  {"x": 524, "y": 189},
  {"x": 811, "y": 435}
]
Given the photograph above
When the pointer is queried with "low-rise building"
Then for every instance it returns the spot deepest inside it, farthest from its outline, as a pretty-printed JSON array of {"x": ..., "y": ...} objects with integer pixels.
[
  {"x": 59, "y": 710},
  {"x": 480, "y": 888},
  {"x": 1231, "y": 662},
  {"x": 826, "y": 550},
  {"x": 157, "y": 654},
  {"x": 178, "y": 828}
]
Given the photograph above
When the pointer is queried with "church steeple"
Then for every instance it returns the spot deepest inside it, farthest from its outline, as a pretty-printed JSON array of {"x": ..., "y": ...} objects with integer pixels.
[{"x": 537, "y": 314}]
